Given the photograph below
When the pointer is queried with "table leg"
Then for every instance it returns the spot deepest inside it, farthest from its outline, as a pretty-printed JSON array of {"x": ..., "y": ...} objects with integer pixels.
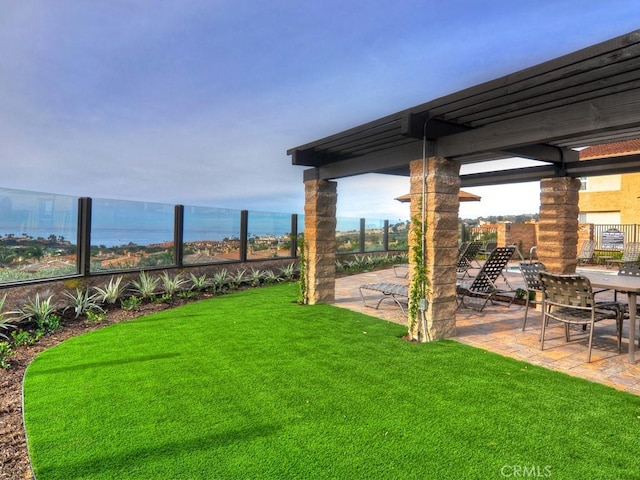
[{"x": 632, "y": 327}]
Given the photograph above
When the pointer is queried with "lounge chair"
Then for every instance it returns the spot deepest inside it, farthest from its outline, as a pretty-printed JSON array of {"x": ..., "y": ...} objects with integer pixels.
[
  {"x": 487, "y": 248},
  {"x": 393, "y": 291},
  {"x": 587, "y": 251},
  {"x": 466, "y": 256},
  {"x": 484, "y": 286},
  {"x": 630, "y": 254},
  {"x": 569, "y": 299}
]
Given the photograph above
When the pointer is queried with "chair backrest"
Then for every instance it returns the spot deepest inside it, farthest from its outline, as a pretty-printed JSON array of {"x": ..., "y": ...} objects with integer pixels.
[
  {"x": 570, "y": 290},
  {"x": 469, "y": 253},
  {"x": 488, "y": 247},
  {"x": 530, "y": 271},
  {"x": 587, "y": 250},
  {"x": 629, "y": 269},
  {"x": 491, "y": 269},
  {"x": 631, "y": 252}
]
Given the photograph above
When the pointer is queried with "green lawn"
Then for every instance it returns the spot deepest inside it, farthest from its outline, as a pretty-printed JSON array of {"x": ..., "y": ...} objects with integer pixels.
[{"x": 252, "y": 385}]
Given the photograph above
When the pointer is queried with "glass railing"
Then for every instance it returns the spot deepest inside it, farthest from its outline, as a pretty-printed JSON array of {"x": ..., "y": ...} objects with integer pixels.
[
  {"x": 45, "y": 235},
  {"x": 127, "y": 234},
  {"x": 211, "y": 235},
  {"x": 38, "y": 235}
]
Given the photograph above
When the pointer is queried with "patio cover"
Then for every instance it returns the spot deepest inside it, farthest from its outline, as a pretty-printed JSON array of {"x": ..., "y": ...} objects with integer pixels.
[{"x": 588, "y": 97}]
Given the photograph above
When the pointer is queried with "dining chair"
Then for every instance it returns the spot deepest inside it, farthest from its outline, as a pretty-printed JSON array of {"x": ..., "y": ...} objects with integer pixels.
[
  {"x": 533, "y": 287},
  {"x": 569, "y": 299}
]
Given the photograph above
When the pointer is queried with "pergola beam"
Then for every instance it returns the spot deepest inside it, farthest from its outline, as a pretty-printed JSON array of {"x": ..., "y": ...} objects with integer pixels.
[{"x": 609, "y": 113}]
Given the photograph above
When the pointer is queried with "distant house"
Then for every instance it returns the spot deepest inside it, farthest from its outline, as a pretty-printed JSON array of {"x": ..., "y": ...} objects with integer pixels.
[{"x": 610, "y": 199}]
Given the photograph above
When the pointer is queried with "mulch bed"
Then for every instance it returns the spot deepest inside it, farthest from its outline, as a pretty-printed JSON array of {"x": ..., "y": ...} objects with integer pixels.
[{"x": 14, "y": 458}]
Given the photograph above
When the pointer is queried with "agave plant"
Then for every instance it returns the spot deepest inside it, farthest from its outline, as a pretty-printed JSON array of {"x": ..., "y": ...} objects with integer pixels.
[
  {"x": 172, "y": 285},
  {"x": 42, "y": 312},
  {"x": 220, "y": 280},
  {"x": 82, "y": 302},
  {"x": 111, "y": 292},
  {"x": 237, "y": 278},
  {"x": 6, "y": 322},
  {"x": 288, "y": 272},
  {"x": 255, "y": 277},
  {"x": 200, "y": 283},
  {"x": 145, "y": 286},
  {"x": 270, "y": 276}
]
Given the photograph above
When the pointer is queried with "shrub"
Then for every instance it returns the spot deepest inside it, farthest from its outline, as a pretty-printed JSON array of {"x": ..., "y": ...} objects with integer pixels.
[
  {"x": 131, "y": 303},
  {"x": 96, "y": 316},
  {"x": 22, "y": 338},
  {"x": 5, "y": 352}
]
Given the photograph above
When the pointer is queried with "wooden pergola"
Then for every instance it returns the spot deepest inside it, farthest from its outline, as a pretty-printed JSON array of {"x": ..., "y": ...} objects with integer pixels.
[{"x": 542, "y": 113}]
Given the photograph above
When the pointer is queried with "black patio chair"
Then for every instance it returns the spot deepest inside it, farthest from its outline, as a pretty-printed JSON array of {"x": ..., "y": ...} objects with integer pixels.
[{"x": 484, "y": 286}]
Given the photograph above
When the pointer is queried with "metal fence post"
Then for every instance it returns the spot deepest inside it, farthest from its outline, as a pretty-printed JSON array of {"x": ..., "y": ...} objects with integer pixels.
[
  {"x": 294, "y": 235},
  {"x": 244, "y": 225},
  {"x": 83, "y": 261},
  {"x": 385, "y": 236},
  {"x": 362, "y": 232},
  {"x": 178, "y": 235}
]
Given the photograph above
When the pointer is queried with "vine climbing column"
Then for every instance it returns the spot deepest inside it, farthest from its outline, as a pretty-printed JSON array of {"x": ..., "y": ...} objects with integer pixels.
[{"x": 439, "y": 185}]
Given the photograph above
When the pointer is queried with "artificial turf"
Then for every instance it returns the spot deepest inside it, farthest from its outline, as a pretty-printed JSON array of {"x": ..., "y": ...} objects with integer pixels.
[{"x": 252, "y": 385}]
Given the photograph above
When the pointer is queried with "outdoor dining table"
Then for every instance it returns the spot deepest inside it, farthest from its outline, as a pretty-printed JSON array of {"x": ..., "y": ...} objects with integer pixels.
[{"x": 622, "y": 283}]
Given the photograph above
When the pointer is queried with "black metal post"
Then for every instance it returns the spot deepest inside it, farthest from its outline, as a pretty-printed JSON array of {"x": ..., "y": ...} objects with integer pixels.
[
  {"x": 244, "y": 224},
  {"x": 385, "y": 236},
  {"x": 178, "y": 235},
  {"x": 83, "y": 265},
  {"x": 294, "y": 235},
  {"x": 362, "y": 225}
]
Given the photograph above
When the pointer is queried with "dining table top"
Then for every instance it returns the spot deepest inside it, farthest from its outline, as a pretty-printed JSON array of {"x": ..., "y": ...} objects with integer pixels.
[{"x": 626, "y": 283}]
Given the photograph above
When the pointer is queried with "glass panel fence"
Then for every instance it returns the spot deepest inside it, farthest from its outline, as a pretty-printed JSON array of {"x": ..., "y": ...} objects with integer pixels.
[
  {"x": 38, "y": 235},
  {"x": 268, "y": 235},
  {"x": 211, "y": 235},
  {"x": 373, "y": 235},
  {"x": 127, "y": 234},
  {"x": 347, "y": 235},
  {"x": 399, "y": 235}
]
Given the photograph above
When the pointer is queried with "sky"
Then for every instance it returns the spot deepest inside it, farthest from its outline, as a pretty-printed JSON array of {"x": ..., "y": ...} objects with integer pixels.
[{"x": 197, "y": 102}]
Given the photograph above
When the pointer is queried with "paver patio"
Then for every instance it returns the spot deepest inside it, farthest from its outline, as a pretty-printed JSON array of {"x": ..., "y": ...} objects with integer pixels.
[{"x": 499, "y": 329}]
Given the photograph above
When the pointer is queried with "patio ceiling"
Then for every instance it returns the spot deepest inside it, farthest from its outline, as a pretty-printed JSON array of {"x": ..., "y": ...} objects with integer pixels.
[{"x": 542, "y": 113}]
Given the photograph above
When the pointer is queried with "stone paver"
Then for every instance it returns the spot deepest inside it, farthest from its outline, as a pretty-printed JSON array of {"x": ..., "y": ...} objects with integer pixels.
[{"x": 499, "y": 329}]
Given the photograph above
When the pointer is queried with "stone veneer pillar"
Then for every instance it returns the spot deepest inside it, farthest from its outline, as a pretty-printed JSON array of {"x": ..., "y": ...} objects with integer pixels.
[
  {"x": 441, "y": 236},
  {"x": 320, "y": 240},
  {"x": 558, "y": 224}
]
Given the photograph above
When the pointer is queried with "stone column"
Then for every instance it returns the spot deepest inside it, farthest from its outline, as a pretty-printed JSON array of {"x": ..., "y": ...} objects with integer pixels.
[
  {"x": 558, "y": 225},
  {"x": 320, "y": 240},
  {"x": 441, "y": 239}
]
